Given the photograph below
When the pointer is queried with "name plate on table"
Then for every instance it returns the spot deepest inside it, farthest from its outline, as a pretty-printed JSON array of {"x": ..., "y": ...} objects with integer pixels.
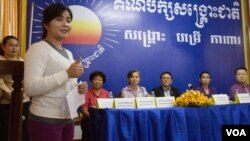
[
  {"x": 145, "y": 102},
  {"x": 105, "y": 103},
  {"x": 220, "y": 99},
  {"x": 162, "y": 102},
  {"x": 243, "y": 98},
  {"x": 124, "y": 103}
]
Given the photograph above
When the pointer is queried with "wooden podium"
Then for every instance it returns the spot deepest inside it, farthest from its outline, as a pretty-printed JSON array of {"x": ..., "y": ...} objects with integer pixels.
[{"x": 16, "y": 69}]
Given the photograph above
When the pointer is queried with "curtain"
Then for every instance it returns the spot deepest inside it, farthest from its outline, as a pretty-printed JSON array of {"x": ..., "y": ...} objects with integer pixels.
[
  {"x": 13, "y": 20},
  {"x": 9, "y": 17}
]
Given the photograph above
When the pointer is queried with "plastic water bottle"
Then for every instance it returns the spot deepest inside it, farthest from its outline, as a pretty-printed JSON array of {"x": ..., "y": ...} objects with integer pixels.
[
  {"x": 152, "y": 93},
  {"x": 111, "y": 94}
]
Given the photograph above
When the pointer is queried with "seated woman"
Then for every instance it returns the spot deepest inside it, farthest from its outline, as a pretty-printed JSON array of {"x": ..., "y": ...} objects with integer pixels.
[
  {"x": 205, "y": 87},
  {"x": 97, "y": 79},
  {"x": 10, "y": 51},
  {"x": 133, "y": 89}
]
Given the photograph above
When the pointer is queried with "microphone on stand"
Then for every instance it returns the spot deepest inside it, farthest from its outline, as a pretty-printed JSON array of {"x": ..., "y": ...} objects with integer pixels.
[{"x": 190, "y": 86}]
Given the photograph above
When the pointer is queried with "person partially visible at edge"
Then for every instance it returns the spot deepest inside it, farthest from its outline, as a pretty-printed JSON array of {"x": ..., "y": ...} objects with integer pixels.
[
  {"x": 241, "y": 85},
  {"x": 50, "y": 73},
  {"x": 166, "y": 88},
  {"x": 97, "y": 79},
  {"x": 205, "y": 84},
  {"x": 10, "y": 51},
  {"x": 133, "y": 89}
]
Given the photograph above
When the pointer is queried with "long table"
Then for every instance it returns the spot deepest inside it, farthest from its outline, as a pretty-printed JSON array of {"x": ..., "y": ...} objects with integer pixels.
[{"x": 166, "y": 124}]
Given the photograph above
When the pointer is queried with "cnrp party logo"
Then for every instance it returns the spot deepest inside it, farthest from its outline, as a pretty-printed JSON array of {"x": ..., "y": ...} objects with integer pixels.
[{"x": 93, "y": 26}]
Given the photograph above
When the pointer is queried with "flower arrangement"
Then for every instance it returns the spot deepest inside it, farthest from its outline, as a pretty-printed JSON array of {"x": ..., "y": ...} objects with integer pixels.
[{"x": 194, "y": 98}]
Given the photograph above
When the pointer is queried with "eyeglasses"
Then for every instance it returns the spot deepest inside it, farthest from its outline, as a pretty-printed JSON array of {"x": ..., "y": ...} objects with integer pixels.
[{"x": 13, "y": 45}]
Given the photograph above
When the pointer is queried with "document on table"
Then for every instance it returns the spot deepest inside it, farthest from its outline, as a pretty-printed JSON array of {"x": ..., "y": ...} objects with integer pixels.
[{"x": 74, "y": 100}]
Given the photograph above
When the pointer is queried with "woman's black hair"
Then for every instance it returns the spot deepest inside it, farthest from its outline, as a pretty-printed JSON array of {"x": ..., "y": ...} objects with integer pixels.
[
  {"x": 51, "y": 12},
  {"x": 1, "y": 50},
  {"x": 4, "y": 42},
  {"x": 204, "y": 72},
  {"x": 130, "y": 73},
  {"x": 97, "y": 73}
]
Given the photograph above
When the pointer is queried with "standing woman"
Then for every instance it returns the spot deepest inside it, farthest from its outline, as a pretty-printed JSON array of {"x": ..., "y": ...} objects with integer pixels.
[
  {"x": 133, "y": 89},
  {"x": 50, "y": 73},
  {"x": 10, "y": 51},
  {"x": 205, "y": 86}
]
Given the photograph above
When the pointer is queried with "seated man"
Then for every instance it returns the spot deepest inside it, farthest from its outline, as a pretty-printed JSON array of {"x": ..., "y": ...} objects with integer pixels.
[
  {"x": 166, "y": 89},
  {"x": 241, "y": 85}
]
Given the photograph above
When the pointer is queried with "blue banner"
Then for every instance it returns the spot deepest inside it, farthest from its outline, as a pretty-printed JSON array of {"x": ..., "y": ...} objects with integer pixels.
[{"x": 184, "y": 37}]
